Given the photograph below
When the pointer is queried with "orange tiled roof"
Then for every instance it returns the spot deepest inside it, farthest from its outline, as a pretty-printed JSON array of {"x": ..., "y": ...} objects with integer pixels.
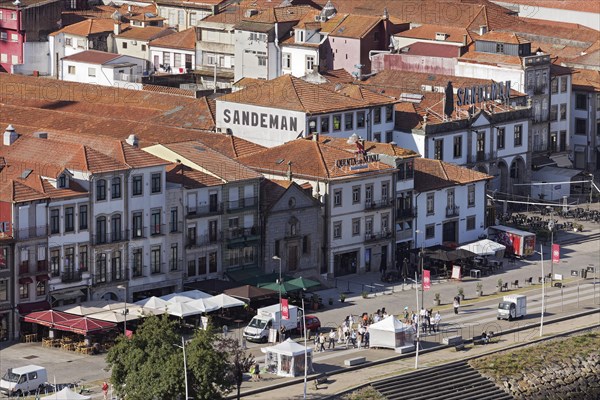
[
  {"x": 213, "y": 162},
  {"x": 190, "y": 178},
  {"x": 271, "y": 190},
  {"x": 88, "y": 27},
  {"x": 502, "y": 37},
  {"x": 146, "y": 33},
  {"x": 488, "y": 58},
  {"x": 355, "y": 26},
  {"x": 371, "y": 147},
  {"x": 586, "y": 79},
  {"x": 310, "y": 159},
  {"x": 429, "y": 31},
  {"x": 280, "y": 14},
  {"x": 92, "y": 57},
  {"x": 185, "y": 40},
  {"x": 291, "y": 93},
  {"x": 338, "y": 76},
  {"x": 574, "y": 5},
  {"x": 436, "y": 174}
]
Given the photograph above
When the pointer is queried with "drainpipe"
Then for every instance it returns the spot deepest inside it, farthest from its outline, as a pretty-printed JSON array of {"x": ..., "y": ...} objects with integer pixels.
[{"x": 278, "y": 55}]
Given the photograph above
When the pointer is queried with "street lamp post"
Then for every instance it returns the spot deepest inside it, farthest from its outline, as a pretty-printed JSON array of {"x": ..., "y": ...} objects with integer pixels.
[
  {"x": 543, "y": 292},
  {"x": 280, "y": 307},
  {"x": 551, "y": 229},
  {"x": 305, "y": 347},
  {"x": 184, "y": 366},
  {"x": 124, "y": 287}
]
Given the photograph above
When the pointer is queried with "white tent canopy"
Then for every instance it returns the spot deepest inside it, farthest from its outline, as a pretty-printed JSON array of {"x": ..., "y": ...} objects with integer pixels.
[
  {"x": 116, "y": 316},
  {"x": 225, "y": 301},
  {"x": 203, "y": 305},
  {"x": 152, "y": 302},
  {"x": 185, "y": 297},
  {"x": 390, "y": 333},
  {"x": 78, "y": 309},
  {"x": 66, "y": 394},
  {"x": 182, "y": 309},
  {"x": 485, "y": 247},
  {"x": 287, "y": 358}
]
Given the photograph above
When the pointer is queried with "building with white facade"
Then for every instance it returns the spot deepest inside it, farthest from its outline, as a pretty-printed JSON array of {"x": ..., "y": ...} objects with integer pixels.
[
  {"x": 186, "y": 15},
  {"x": 451, "y": 203},
  {"x": 106, "y": 69},
  {"x": 560, "y": 109},
  {"x": 134, "y": 41},
  {"x": 174, "y": 53},
  {"x": 221, "y": 209},
  {"x": 274, "y": 112}
]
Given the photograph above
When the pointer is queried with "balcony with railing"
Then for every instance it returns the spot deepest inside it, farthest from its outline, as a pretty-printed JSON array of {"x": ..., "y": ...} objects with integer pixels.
[
  {"x": 157, "y": 268},
  {"x": 242, "y": 234},
  {"x": 119, "y": 274},
  {"x": 203, "y": 240},
  {"x": 110, "y": 237},
  {"x": 33, "y": 232},
  {"x": 482, "y": 156},
  {"x": 42, "y": 266},
  {"x": 374, "y": 205},
  {"x": 156, "y": 230},
  {"x": 24, "y": 267},
  {"x": 100, "y": 279},
  {"x": 176, "y": 227},
  {"x": 204, "y": 210},
  {"x": 406, "y": 213},
  {"x": 452, "y": 211},
  {"x": 71, "y": 275},
  {"x": 242, "y": 204},
  {"x": 375, "y": 236}
]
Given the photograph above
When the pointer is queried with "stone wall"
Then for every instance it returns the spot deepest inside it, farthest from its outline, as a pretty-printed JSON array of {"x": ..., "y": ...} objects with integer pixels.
[{"x": 573, "y": 378}]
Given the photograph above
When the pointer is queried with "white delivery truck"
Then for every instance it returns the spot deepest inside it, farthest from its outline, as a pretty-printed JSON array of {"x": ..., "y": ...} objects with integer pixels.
[
  {"x": 512, "y": 306},
  {"x": 268, "y": 318},
  {"x": 18, "y": 381}
]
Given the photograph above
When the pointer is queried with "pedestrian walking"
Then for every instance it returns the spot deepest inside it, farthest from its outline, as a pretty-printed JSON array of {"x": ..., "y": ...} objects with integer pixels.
[
  {"x": 256, "y": 371},
  {"x": 332, "y": 338},
  {"x": 321, "y": 342},
  {"x": 456, "y": 304},
  {"x": 436, "y": 321},
  {"x": 367, "y": 335},
  {"x": 282, "y": 333},
  {"x": 105, "y": 390},
  {"x": 353, "y": 338}
]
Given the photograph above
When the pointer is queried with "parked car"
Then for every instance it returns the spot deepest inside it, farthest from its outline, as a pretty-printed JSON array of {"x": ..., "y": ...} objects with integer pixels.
[{"x": 312, "y": 323}]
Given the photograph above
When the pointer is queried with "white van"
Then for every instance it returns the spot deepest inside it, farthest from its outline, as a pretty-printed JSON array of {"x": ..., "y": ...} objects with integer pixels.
[{"x": 18, "y": 381}]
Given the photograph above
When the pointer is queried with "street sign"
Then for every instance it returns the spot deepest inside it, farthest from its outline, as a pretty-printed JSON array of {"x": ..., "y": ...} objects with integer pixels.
[
  {"x": 426, "y": 280},
  {"x": 555, "y": 253},
  {"x": 285, "y": 310}
]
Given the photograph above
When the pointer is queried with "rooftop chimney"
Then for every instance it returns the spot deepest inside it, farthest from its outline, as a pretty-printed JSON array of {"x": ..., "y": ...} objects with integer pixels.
[
  {"x": 10, "y": 136},
  {"x": 117, "y": 28},
  {"x": 464, "y": 40},
  {"x": 315, "y": 137},
  {"x": 289, "y": 171},
  {"x": 132, "y": 140},
  {"x": 482, "y": 30}
]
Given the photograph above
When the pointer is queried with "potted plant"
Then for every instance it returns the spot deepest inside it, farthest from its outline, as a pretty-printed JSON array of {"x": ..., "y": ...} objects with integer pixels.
[
  {"x": 461, "y": 293},
  {"x": 436, "y": 299},
  {"x": 479, "y": 291},
  {"x": 365, "y": 295},
  {"x": 499, "y": 285},
  {"x": 330, "y": 301},
  {"x": 315, "y": 302},
  {"x": 342, "y": 297}
]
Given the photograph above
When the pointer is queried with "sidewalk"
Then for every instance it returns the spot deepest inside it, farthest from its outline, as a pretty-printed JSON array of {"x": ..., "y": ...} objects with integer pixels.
[{"x": 344, "y": 381}]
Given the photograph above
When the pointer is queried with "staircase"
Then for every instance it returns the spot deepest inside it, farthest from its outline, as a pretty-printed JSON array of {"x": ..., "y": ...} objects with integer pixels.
[{"x": 455, "y": 381}]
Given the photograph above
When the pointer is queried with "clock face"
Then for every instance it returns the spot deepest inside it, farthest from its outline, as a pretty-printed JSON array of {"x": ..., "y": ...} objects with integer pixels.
[{"x": 292, "y": 202}]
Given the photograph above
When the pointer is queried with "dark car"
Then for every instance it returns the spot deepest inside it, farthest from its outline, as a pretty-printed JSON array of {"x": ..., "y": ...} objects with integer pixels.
[{"x": 312, "y": 323}]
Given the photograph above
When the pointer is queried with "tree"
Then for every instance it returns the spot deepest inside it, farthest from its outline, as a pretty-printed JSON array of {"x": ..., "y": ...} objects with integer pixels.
[{"x": 239, "y": 361}]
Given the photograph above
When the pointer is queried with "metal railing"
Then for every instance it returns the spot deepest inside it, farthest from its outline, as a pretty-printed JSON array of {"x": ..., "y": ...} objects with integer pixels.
[
  {"x": 139, "y": 233},
  {"x": 42, "y": 266},
  {"x": 373, "y": 205},
  {"x": 71, "y": 275},
  {"x": 404, "y": 235},
  {"x": 452, "y": 211},
  {"x": 156, "y": 230},
  {"x": 204, "y": 210},
  {"x": 24, "y": 267},
  {"x": 157, "y": 268},
  {"x": 176, "y": 228},
  {"x": 242, "y": 204},
  {"x": 203, "y": 240},
  {"x": 31, "y": 233},
  {"x": 238, "y": 233},
  {"x": 373, "y": 236},
  {"x": 175, "y": 265},
  {"x": 406, "y": 213}
]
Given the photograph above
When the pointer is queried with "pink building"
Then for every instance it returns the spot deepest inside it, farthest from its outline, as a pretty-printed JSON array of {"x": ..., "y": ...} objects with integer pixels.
[{"x": 23, "y": 22}]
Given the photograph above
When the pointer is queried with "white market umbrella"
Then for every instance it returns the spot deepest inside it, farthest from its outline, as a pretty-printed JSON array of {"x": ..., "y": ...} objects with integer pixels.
[
  {"x": 182, "y": 310},
  {"x": 225, "y": 301},
  {"x": 66, "y": 394},
  {"x": 79, "y": 309},
  {"x": 152, "y": 302},
  {"x": 115, "y": 316},
  {"x": 205, "y": 305},
  {"x": 184, "y": 297}
]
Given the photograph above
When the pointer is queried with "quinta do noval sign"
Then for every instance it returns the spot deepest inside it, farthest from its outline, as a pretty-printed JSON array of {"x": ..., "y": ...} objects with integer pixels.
[{"x": 479, "y": 93}]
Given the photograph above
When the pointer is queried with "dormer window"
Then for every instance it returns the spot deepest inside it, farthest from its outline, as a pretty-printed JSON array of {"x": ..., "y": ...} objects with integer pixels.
[
  {"x": 440, "y": 36},
  {"x": 300, "y": 36},
  {"x": 62, "y": 181}
]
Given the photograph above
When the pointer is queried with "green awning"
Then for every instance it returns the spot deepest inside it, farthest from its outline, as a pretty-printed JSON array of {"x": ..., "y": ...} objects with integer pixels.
[{"x": 254, "y": 276}]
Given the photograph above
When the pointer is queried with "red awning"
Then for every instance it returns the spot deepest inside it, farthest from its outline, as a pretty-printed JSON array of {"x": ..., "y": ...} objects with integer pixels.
[
  {"x": 84, "y": 325},
  {"x": 31, "y": 307},
  {"x": 42, "y": 278},
  {"x": 49, "y": 317},
  {"x": 25, "y": 281}
]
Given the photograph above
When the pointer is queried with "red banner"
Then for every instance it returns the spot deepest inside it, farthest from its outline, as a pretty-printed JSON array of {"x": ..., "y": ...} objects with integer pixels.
[
  {"x": 555, "y": 253},
  {"x": 285, "y": 310},
  {"x": 426, "y": 280}
]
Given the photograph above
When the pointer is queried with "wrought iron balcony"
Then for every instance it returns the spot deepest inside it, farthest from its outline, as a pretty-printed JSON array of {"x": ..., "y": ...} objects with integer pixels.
[
  {"x": 119, "y": 274},
  {"x": 204, "y": 210},
  {"x": 406, "y": 213},
  {"x": 71, "y": 275},
  {"x": 31, "y": 232},
  {"x": 157, "y": 268},
  {"x": 139, "y": 233},
  {"x": 241, "y": 233},
  {"x": 452, "y": 211},
  {"x": 24, "y": 267},
  {"x": 156, "y": 230},
  {"x": 175, "y": 265},
  {"x": 42, "y": 266},
  {"x": 404, "y": 235},
  {"x": 242, "y": 204},
  {"x": 203, "y": 240},
  {"x": 374, "y": 236},
  {"x": 373, "y": 205}
]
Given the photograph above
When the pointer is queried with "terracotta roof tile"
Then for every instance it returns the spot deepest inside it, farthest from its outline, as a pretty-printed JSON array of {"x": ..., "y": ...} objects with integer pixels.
[
  {"x": 310, "y": 159},
  {"x": 291, "y": 93},
  {"x": 212, "y": 162},
  {"x": 355, "y": 26},
  {"x": 168, "y": 90},
  {"x": 271, "y": 190},
  {"x": 436, "y": 174},
  {"x": 338, "y": 76},
  {"x": 370, "y": 147},
  {"x": 92, "y": 57},
  {"x": 432, "y": 50},
  {"x": 190, "y": 178},
  {"x": 586, "y": 79},
  {"x": 502, "y": 37},
  {"x": 185, "y": 40},
  {"x": 574, "y": 5},
  {"x": 88, "y": 27},
  {"x": 279, "y": 14},
  {"x": 488, "y": 58},
  {"x": 145, "y": 33},
  {"x": 429, "y": 32}
]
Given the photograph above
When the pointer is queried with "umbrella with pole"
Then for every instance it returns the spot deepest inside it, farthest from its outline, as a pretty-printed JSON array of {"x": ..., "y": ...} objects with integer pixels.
[
  {"x": 304, "y": 283},
  {"x": 285, "y": 287}
]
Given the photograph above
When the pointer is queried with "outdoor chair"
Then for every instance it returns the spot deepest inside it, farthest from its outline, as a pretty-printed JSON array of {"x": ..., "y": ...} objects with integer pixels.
[
  {"x": 504, "y": 287},
  {"x": 515, "y": 284},
  {"x": 529, "y": 280}
]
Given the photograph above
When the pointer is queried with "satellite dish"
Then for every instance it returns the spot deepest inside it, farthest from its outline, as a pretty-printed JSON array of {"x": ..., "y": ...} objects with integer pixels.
[{"x": 352, "y": 139}]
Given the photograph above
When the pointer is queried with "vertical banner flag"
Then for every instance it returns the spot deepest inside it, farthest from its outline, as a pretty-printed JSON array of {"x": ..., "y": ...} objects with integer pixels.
[
  {"x": 285, "y": 310},
  {"x": 426, "y": 280},
  {"x": 555, "y": 253}
]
